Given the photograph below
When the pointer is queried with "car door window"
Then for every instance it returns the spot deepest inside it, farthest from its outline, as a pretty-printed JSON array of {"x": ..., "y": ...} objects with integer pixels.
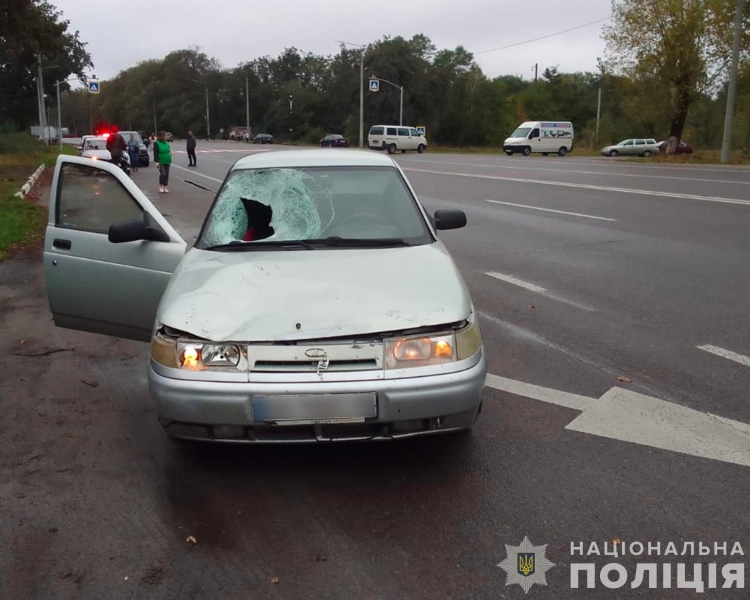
[
  {"x": 90, "y": 199},
  {"x": 628, "y": 143},
  {"x": 640, "y": 142},
  {"x": 403, "y": 131},
  {"x": 391, "y": 131},
  {"x": 414, "y": 133},
  {"x": 534, "y": 133}
]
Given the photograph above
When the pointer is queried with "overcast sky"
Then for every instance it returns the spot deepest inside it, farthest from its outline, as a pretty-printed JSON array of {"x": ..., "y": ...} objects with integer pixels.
[{"x": 120, "y": 34}]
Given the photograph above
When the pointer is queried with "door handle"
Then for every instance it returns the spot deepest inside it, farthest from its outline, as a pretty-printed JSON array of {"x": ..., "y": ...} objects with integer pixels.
[{"x": 62, "y": 244}]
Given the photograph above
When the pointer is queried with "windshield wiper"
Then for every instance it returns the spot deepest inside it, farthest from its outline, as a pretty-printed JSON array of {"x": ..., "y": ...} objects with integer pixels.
[
  {"x": 337, "y": 241},
  {"x": 272, "y": 244}
]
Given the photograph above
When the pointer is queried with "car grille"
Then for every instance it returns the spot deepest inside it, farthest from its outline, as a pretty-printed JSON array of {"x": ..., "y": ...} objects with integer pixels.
[
  {"x": 276, "y": 366},
  {"x": 314, "y": 357}
]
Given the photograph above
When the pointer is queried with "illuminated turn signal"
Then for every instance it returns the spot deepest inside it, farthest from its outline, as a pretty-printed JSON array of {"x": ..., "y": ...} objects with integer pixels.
[
  {"x": 443, "y": 349},
  {"x": 190, "y": 356}
]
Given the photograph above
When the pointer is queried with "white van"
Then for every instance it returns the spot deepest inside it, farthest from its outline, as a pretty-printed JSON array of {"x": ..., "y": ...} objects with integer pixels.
[
  {"x": 545, "y": 137},
  {"x": 393, "y": 138}
]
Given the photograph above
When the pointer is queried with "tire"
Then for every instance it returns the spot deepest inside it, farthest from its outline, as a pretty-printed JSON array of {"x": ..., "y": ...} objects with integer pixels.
[
  {"x": 420, "y": 148},
  {"x": 562, "y": 151},
  {"x": 613, "y": 153},
  {"x": 392, "y": 149},
  {"x": 526, "y": 151},
  {"x": 647, "y": 153},
  {"x": 509, "y": 153},
  {"x": 545, "y": 153}
]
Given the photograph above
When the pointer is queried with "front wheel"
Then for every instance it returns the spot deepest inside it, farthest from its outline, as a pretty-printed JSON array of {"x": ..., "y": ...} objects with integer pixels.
[
  {"x": 392, "y": 149},
  {"x": 562, "y": 151},
  {"x": 613, "y": 152},
  {"x": 420, "y": 148},
  {"x": 526, "y": 151},
  {"x": 509, "y": 153},
  {"x": 647, "y": 153}
]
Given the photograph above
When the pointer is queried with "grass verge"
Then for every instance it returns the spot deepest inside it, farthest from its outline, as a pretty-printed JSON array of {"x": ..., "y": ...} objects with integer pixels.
[{"x": 19, "y": 218}]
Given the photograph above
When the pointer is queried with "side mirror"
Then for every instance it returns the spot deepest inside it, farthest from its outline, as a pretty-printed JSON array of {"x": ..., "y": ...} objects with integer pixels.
[
  {"x": 137, "y": 229},
  {"x": 449, "y": 219}
]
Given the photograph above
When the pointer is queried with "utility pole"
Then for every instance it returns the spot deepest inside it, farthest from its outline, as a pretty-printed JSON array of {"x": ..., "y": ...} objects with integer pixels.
[
  {"x": 208, "y": 118},
  {"x": 726, "y": 146},
  {"x": 42, "y": 108},
  {"x": 401, "y": 108},
  {"x": 362, "y": 97},
  {"x": 536, "y": 72},
  {"x": 156, "y": 128},
  {"x": 598, "y": 113},
  {"x": 59, "y": 115},
  {"x": 247, "y": 105}
]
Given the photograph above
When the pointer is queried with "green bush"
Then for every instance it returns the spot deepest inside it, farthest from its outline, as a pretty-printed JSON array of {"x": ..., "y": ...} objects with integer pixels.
[
  {"x": 19, "y": 142},
  {"x": 314, "y": 135}
]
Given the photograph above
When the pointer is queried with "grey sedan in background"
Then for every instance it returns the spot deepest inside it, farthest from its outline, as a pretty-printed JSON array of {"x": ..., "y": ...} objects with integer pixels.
[
  {"x": 317, "y": 303},
  {"x": 633, "y": 147}
]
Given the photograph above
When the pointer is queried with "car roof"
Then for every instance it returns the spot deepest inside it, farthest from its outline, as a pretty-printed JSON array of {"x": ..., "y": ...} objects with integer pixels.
[{"x": 313, "y": 158}]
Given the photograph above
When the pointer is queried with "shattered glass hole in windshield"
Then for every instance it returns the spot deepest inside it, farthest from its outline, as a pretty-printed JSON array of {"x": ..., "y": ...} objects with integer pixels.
[{"x": 274, "y": 204}]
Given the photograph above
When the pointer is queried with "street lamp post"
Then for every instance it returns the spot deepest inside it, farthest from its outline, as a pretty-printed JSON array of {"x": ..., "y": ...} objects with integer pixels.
[
  {"x": 401, "y": 105},
  {"x": 208, "y": 117},
  {"x": 247, "y": 105},
  {"x": 361, "y": 89}
]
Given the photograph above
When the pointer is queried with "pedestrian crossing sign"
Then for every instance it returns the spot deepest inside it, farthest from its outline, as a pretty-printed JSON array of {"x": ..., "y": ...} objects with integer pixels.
[
  {"x": 374, "y": 85},
  {"x": 421, "y": 129},
  {"x": 93, "y": 86}
]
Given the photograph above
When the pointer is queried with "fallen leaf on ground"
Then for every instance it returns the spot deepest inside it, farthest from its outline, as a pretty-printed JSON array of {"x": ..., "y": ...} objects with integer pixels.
[
  {"x": 274, "y": 580},
  {"x": 191, "y": 539},
  {"x": 623, "y": 379}
]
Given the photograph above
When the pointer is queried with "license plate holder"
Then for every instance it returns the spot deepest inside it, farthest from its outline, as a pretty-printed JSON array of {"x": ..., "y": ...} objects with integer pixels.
[{"x": 315, "y": 409}]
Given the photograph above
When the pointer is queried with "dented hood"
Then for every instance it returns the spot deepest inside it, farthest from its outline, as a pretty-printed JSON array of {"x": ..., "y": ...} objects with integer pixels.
[{"x": 312, "y": 294}]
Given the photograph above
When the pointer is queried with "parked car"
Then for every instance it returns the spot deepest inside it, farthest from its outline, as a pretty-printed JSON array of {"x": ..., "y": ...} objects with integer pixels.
[
  {"x": 143, "y": 158},
  {"x": 394, "y": 138},
  {"x": 95, "y": 148},
  {"x": 169, "y": 137},
  {"x": 263, "y": 138},
  {"x": 317, "y": 303},
  {"x": 81, "y": 146},
  {"x": 683, "y": 148},
  {"x": 545, "y": 137},
  {"x": 634, "y": 147},
  {"x": 334, "y": 140}
]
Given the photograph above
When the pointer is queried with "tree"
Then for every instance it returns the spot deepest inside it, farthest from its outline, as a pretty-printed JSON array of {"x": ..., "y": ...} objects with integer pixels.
[
  {"x": 678, "y": 46},
  {"x": 29, "y": 30}
]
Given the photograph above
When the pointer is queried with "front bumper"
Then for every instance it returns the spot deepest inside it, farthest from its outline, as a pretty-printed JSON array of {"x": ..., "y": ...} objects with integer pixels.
[{"x": 223, "y": 411}]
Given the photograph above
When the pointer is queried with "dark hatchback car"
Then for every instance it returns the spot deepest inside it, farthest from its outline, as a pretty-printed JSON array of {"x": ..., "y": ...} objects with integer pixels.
[
  {"x": 143, "y": 158},
  {"x": 334, "y": 140},
  {"x": 683, "y": 148},
  {"x": 263, "y": 138}
]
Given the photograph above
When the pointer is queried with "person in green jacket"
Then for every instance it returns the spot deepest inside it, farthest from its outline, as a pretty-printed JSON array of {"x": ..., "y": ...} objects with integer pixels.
[{"x": 162, "y": 160}]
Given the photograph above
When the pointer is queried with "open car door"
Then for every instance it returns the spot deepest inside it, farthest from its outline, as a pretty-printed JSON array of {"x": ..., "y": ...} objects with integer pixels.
[{"x": 98, "y": 285}]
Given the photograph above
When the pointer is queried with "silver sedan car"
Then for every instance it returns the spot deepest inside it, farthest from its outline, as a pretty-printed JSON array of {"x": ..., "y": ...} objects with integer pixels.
[
  {"x": 634, "y": 147},
  {"x": 317, "y": 303}
]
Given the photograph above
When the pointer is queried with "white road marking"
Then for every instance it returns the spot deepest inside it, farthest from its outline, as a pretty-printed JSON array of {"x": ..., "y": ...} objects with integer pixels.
[
  {"x": 537, "y": 290},
  {"x": 631, "y": 417},
  {"x": 560, "y": 212},
  {"x": 724, "y": 353},
  {"x": 196, "y": 173},
  {"x": 520, "y": 283},
  {"x": 586, "y": 186},
  {"x": 537, "y": 392},
  {"x": 567, "y": 171}
]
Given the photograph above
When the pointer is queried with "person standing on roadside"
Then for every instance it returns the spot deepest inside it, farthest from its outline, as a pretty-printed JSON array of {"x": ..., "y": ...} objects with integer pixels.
[
  {"x": 191, "y": 143},
  {"x": 152, "y": 138},
  {"x": 133, "y": 147},
  {"x": 162, "y": 160},
  {"x": 116, "y": 145}
]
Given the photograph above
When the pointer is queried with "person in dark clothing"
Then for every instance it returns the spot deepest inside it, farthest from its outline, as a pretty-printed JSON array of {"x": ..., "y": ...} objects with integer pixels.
[
  {"x": 191, "y": 143},
  {"x": 116, "y": 145},
  {"x": 163, "y": 160}
]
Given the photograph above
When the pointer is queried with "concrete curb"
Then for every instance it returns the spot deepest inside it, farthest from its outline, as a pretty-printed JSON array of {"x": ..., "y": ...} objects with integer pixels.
[{"x": 26, "y": 187}]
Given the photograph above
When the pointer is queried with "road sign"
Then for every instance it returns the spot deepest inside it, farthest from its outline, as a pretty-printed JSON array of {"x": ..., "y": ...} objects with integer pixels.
[
  {"x": 374, "y": 85},
  {"x": 93, "y": 86},
  {"x": 421, "y": 129}
]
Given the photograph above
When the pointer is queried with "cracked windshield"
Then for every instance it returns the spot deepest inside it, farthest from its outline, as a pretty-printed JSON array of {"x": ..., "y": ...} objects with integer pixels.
[{"x": 393, "y": 300}]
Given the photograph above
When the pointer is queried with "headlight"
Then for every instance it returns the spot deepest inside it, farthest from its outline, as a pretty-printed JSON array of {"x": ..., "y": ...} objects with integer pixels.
[
  {"x": 169, "y": 350},
  {"x": 420, "y": 351}
]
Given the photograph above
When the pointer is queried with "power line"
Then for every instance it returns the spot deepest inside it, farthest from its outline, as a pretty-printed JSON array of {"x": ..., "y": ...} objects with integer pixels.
[{"x": 544, "y": 37}]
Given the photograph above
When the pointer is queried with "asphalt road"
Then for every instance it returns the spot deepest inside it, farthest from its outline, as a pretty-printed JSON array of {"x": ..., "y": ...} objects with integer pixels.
[{"x": 588, "y": 275}]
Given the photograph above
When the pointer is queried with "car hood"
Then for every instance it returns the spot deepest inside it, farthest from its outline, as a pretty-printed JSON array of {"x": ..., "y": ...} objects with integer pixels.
[
  {"x": 99, "y": 154},
  {"x": 313, "y": 294}
]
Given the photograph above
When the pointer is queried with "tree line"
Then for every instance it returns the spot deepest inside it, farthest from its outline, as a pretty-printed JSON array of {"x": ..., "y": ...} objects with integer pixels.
[{"x": 664, "y": 74}]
